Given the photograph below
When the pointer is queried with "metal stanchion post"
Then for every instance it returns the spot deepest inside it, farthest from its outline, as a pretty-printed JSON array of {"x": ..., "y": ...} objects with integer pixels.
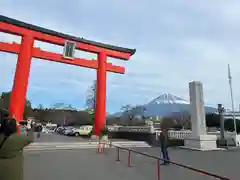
[
  {"x": 99, "y": 147},
  {"x": 103, "y": 147},
  {"x": 129, "y": 158},
  {"x": 118, "y": 154}
]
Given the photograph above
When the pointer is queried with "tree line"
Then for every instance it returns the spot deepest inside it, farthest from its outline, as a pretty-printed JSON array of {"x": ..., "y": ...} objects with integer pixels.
[
  {"x": 5, "y": 102},
  {"x": 182, "y": 120},
  {"x": 176, "y": 120},
  {"x": 45, "y": 115},
  {"x": 130, "y": 116}
]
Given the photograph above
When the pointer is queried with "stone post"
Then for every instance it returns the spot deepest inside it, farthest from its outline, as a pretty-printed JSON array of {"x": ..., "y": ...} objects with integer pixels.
[
  {"x": 197, "y": 108},
  {"x": 199, "y": 140}
]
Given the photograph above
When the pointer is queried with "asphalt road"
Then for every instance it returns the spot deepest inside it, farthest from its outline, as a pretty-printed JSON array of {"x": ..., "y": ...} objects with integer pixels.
[
  {"x": 54, "y": 137},
  {"x": 73, "y": 165},
  {"x": 224, "y": 163},
  {"x": 87, "y": 164}
]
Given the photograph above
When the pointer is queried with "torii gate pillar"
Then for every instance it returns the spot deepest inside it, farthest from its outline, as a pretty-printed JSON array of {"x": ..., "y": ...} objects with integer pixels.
[
  {"x": 20, "y": 84},
  {"x": 100, "y": 112}
]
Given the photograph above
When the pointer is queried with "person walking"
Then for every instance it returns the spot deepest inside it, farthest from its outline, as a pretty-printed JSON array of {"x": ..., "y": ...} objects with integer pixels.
[
  {"x": 38, "y": 129},
  {"x": 11, "y": 148},
  {"x": 164, "y": 146}
]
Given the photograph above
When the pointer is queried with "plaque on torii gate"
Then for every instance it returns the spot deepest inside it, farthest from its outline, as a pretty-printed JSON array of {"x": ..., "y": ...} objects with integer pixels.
[{"x": 26, "y": 51}]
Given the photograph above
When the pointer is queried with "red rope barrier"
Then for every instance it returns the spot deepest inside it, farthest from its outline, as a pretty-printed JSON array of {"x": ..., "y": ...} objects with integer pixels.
[
  {"x": 158, "y": 169},
  {"x": 171, "y": 162}
]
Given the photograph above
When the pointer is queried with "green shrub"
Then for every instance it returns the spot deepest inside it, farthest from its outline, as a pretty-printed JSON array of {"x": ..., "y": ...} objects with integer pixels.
[
  {"x": 229, "y": 125},
  {"x": 175, "y": 142},
  {"x": 104, "y": 131}
]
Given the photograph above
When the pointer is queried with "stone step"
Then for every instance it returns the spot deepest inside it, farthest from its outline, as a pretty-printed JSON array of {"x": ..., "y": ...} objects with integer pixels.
[{"x": 82, "y": 145}]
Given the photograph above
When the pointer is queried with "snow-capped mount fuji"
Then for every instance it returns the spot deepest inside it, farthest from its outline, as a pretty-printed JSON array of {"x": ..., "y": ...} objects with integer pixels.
[
  {"x": 167, "y": 98},
  {"x": 166, "y": 104}
]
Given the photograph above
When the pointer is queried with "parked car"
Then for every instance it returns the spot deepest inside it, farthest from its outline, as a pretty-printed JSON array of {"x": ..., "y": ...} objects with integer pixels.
[
  {"x": 83, "y": 130},
  {"x": 61, "y": 130},
  {"x": 45, "y": 130},
  {"x": 58, "y": 129},
  {"x": 69, "y": 131}
]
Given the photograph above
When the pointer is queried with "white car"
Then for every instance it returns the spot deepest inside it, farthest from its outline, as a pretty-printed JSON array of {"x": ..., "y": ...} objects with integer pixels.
[{"x": 45, "y": 130}]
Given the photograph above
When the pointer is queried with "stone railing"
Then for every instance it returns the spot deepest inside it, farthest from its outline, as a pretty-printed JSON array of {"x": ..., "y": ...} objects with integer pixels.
[
  {"x": 186, "y": 133},
  {"x": 144, "y": 129},
  {"x": 182, "y": 134},
  {"x": 177, "y": 134}
]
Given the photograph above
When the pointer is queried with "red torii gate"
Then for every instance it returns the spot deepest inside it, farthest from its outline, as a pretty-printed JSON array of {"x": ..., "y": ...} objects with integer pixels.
[{"x": 26, "y": 51}]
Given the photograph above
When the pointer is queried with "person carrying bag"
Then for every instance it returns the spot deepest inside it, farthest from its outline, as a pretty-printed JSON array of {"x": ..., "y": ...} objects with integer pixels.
[{"x": 11, "y": 148}]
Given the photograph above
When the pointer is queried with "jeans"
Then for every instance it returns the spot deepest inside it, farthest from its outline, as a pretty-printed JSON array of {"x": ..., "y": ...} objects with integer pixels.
[{"x": 165, "y": 155}]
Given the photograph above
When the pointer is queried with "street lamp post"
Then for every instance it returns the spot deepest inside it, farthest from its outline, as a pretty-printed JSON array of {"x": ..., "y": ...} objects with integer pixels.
[
  {"x": 221, "y": 117},
  {"x": 222, "y": 141},
  {"x": 232, "y": 102}
]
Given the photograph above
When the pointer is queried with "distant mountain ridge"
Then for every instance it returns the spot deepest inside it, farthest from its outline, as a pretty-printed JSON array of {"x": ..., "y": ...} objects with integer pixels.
[{"x": 166, "y": 104}]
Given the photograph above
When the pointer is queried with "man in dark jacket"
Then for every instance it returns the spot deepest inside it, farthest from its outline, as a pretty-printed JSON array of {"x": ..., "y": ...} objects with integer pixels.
[
  {"x": 11, "y": 149},
  {"x": 164, "y": 146}
]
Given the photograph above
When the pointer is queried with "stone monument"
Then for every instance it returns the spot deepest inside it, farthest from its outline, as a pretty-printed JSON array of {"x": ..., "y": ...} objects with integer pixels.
[{"x": 199, "y": 139}]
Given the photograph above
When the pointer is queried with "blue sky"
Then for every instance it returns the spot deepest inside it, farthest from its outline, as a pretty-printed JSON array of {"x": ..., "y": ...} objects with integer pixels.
[{"x": 176, "y": 42}]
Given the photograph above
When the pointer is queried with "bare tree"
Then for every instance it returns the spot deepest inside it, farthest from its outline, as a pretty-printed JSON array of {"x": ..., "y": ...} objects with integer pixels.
[
  {"x": 132, "y": 115},
  {"x": 168, "y": 123},
  {"x": 138, "y": 110},
  {"x": 40, "y": 106},
  {"x": 126, "y": 108},
  {"x": 91, "y": 96},
  {"x": 183, "y": 119}
]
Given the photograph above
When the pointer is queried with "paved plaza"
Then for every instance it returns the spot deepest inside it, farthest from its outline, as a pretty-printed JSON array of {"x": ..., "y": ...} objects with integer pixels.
[{"x": 88, "y": 164}]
